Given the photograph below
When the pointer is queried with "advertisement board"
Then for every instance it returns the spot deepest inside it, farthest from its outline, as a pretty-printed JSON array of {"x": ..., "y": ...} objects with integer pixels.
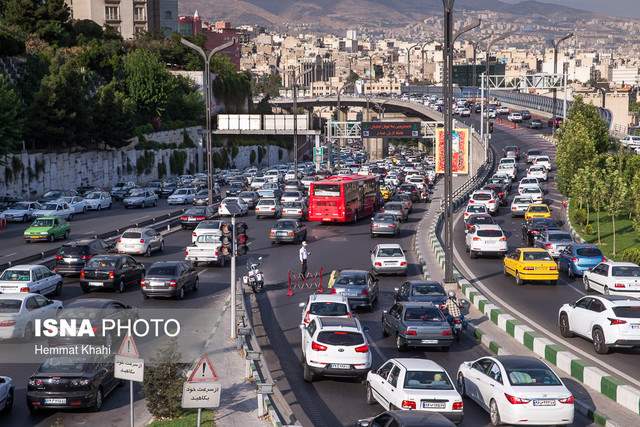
[
  {"x": 390, "y": 129},
  {"x": 460, "y": 151}
]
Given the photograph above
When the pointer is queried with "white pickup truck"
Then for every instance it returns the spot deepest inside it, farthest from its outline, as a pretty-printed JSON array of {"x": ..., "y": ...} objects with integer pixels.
[{"x": 208, "y": 248}]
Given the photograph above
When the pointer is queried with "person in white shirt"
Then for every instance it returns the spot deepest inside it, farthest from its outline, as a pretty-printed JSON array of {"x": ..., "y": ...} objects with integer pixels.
[{"x": 304, "y": 255}]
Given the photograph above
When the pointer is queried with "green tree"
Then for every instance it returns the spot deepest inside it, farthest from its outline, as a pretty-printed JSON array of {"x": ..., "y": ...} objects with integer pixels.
[
  {"x": 581, "y": 189},
  {"x": 616, "y": 197},
  {"x": 11, "y": 117},
  {"x": 50, "y": 20},
  {"x": 112, "y": 116},
  {"x": 598, "y": 194},
  {"x": 148, "y": 82},
  {"x": 267, "y": 84},
  {"x": 163, "y": 381},
  {"x": 634, "y": 191}
]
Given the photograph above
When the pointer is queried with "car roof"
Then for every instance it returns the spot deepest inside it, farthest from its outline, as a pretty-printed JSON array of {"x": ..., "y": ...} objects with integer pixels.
[
  {"x": 620, "y": 264},
  {"x": 533, "y": 250},
  {"x": 415, "y": 364},
  {"x": 327, "y": 298},
  {"x": 18, "y": 295},
  {"x": 487, "y": 227},
  {"x": 48, "y": 217},
  {"x": 339, "y": 322},
  {"x": 423, "y": 282},
  {"x": 137, "y": 229},
  {"x": 416, "y": 304},
  {"x": 354, "y": 272},
  {"x": 91, "y": 302},
  {"x": 387, "y": 245},
  {"x": 23, "y": 267},
  {"x": 516, "y": 362}
]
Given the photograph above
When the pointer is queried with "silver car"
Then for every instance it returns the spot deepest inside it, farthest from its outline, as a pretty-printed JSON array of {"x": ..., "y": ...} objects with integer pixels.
[
  {"x": 520, "y": 204},
  {"x": 385, "y": 224},
  {"x": 140, "y": 198},
  {"x": 554, "y": 241},
  {"x": 268, "y": 207},
  {"x": 21, "y": 211},
  {"x": 396, "y": 208}
]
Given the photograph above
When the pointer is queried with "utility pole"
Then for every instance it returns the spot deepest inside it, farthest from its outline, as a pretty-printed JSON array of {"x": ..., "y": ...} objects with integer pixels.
[
  {"x": 556, "y": 44},
  {"x": 206, "y": 86},
  {"x": 492, "y": 42}
]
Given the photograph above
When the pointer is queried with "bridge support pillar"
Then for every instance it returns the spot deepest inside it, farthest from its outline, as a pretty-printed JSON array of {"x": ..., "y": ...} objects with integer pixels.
[
  {"x": 378, "y": 148},
  {"x": 422, "y": 146}
]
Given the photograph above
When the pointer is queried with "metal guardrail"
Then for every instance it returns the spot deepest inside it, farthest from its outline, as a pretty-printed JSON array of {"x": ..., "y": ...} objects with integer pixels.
[{"x": 156, "y": 223}]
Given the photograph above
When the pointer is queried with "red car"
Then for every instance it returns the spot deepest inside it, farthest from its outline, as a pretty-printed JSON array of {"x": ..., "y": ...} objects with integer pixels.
[{"x": 554, "y": 122}]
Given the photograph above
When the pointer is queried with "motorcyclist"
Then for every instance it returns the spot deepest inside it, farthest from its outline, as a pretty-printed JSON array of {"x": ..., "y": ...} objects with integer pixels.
[{"x": 452, "y": 306}]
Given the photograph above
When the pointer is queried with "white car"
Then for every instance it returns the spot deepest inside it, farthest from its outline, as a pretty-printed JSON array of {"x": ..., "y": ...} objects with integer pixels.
[
  {"x": 30, "y": 278},
  {"x": 472, "y": 209},
  {"x": 98, "y": 200},
  {"x": 335, "y": 347},
  {"x": 207, "y": 227},
  {"x": 508, "y": 169},
  {"x": 257, "y": 182},
  {"x": 543, "y": 161},
  {"x": 630, "y": 141},
  {"x": 414, "y": 384},
  {"x": 268, "y": 207},
  {"x": 502, "y": 110},
  {"x": 223, "y": 209},
  {"x": 7, "y": 390},
  {"x": 19, "y": 311},
  {"x": 517, "y": 390},
  {"x": 291, "y": 196},
  {"x": 486, "y": 198},
  {"x": 528, "y": 182},
  {"x": 536, "y": 194},
  {"x": 509, "y": 161},
  {"x": 608, "y": 321},
  {"x": 139, "y": 241},
  {"x": 182, "y": 196},
  {"x": 291, "y": 176},
  {"x": 21, "y": 211},
  {"x": 538, "y": 171},
  {"x": 515, "y": 117},
  {"x": 483, "y": 239},
  {"x": 388, "y": 258},
  {"x": 57, "y": 209},
  {"x": 465, "y": 112},
  {"x": 491, "y": 113},
  {"x": 273, "y": 175},
  {"x": 613, "y": 278},
  {"x": 326, "y": 305},
  {"x": 77, "y": 204},
  {"x": 520, "y": 204}
]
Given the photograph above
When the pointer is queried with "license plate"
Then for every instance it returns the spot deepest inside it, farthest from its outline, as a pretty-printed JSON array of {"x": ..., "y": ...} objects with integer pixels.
[
  {"x": 96, "y": 284},
  {"x": 635, "y": 326},
  {"x": 544, "y": 402},
  {"x": 55, "y": 401},
  {"x": 282, "y": 233},
  {"x": 340, "y": 366},
  {"x": 434, "y": 405},
  {"x": 156, "y": 283},
  {"x": 191, "y": 218},
  {"x": 429, "y": 341}
]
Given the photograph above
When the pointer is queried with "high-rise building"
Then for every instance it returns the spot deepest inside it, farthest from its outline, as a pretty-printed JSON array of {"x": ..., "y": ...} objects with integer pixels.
[
  {"x": 163, "y": 16},
  {"x": 190, "y": 25}
]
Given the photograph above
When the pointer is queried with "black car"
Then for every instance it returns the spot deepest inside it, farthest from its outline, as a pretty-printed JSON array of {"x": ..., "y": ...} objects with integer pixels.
[
  {"x": 421, "y": 291},
  {"x": 500, "y": 190},
  {"x": 288, "y": 230},
  {"x": 71, "y": 382},
  {"x": 169, "y": 279},
  {"x": 535, "y": 226},
  {"x": 400, "y": 418},
  {"x": 526, "y": 114},
  {"x": 202, "y": 198},
  {"x": 167, "y": 188},
  {"x": 359, "y": 286},
  {"x": 194, "y": 216},
  {"x": 72, "y": 257},
  {"x": 111, "y": 272},
  {"x": 410, "y": 189},
  {"x": 234, "y": 189}
]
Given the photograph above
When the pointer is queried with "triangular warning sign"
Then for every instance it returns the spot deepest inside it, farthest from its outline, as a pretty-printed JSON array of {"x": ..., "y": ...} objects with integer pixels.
[
  {"x": 203, "y": 372},
  {"x": 128, "y": 348}
]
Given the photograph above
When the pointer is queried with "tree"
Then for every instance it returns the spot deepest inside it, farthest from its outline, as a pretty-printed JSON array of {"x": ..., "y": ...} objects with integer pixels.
[
  {"x": 112, "y": 116},
  {"x": 616, "y": 197},
  {"x": 50, "y": 20},
  {"x": 163, "y": 381},
  {"x": 598, "y": 194},
  {"x": 11, "y": 117},
  {"x": 581, "y": 189},
  {"x": 268, "y": 84}
]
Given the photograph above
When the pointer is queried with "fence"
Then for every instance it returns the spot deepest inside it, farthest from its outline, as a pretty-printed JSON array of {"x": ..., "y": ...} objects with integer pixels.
[{"x": 308, "y": 281}]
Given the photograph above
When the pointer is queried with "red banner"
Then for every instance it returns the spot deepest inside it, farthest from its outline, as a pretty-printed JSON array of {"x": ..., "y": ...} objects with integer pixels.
[{"x": 459, "y": 150}]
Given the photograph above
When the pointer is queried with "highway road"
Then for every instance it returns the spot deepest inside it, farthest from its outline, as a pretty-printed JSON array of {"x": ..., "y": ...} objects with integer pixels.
[{"x": 13, "y": 246}]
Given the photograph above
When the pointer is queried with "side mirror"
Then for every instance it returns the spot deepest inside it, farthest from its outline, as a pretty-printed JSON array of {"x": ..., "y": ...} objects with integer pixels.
[
  {"x": 302, "y": 304},
  {"x": 464, "y": 302},
  {"x": 259, "y": 258},
  {"x": 363, "y": 423},
  {"x": 384, "y": 311},
  {"x": 396, "y": 289},
  {"x": 301, "y": 326}
]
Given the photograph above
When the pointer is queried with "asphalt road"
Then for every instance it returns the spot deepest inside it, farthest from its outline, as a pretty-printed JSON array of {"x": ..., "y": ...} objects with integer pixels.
[
  {"x": 13, "y": 246},
  {"x": 536, "y": 304}
]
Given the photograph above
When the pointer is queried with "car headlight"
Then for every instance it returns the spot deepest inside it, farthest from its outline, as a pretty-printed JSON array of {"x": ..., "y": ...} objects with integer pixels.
[
  {"x": 80, "y": 382},
  {"x": 43, "y": 233}
]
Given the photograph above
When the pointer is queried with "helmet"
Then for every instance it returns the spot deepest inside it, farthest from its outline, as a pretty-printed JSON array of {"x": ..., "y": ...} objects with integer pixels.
[
  {"x": 304, "y": 243},
  {"x": 452, "y": 294}
]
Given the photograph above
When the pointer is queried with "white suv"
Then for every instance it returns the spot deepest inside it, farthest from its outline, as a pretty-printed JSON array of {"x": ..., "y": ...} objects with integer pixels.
[
  {"x": 543, "y": 161},
  {"x": 485, "y": 239},
  {"x": 607, "y": 320},
  {"x": 335, "y": 347},
  {"x": 330, "y": 305},
  {"x": 486, "y": 198}
]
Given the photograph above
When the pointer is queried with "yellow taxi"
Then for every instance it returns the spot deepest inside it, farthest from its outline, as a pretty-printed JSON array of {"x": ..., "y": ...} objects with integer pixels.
[
  {"x": 531, "y": 264},
  {"x": 386, "y": 193},
  {"x": 537, "y": 210}
]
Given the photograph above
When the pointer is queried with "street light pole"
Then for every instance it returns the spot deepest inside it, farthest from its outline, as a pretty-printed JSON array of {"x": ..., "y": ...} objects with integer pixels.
[
  {"x": 447, "y": 88},
  {"x": 488, "y": 70},
  {"x": 556, "y": 44},
  {"x": 206, "y": 85},
  {"x": 409, "y": 61}
]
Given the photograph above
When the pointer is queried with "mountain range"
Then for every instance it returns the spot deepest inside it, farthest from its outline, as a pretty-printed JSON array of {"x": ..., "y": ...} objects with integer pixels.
[{"x": 343, "y": 14}]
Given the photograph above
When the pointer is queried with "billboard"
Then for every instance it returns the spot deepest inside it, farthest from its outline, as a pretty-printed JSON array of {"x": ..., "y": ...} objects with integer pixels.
[
  {"x": 391, "y": 129},
  {"x": 460, "y": 151}
]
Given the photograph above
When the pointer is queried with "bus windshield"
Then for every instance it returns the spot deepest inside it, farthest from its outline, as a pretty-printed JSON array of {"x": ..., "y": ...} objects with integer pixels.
[{"x": 326, "y": 190}]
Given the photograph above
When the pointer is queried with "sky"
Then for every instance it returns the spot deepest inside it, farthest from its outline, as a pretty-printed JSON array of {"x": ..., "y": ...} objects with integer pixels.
[{"x": 623, "y": 8}]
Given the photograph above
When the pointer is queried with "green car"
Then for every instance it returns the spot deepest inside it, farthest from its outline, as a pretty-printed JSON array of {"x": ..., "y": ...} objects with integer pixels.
[{"x": 47, "y": 228}]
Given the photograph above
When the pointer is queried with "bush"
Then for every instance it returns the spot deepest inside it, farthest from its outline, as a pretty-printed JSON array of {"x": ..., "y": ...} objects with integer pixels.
[
  {"x": 630, "y": 255},
  {"x": 588, "y": 229},
  {"x": 252, "y": 157},
  {"x": 579, "y": 216},
  {"x": 177, "y": 161},
  {"x": 280, "y": 154},
  {"x": 163, "y": 381},
  {"x": 234, "y": 151},
  {"x": 162, "y": 169},
  {"x": 145, "y": 162}
]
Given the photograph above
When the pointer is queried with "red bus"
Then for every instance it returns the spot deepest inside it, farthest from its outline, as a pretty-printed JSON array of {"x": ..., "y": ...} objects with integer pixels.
[{"x": 342, "y": 198}]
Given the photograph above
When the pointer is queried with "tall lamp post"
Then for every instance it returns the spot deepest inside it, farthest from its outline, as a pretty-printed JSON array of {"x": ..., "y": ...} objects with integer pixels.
[
  {"x": 206, "y": 86},
  {"x": 475, "y": 44},
  {"x": 490, "y": 44},
  {"x": 556, "y": 44},
  {"x": 409, "y": 61}
]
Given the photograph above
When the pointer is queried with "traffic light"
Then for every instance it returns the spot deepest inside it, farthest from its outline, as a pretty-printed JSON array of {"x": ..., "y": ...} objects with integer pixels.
[{"x": 242, "y": 239}]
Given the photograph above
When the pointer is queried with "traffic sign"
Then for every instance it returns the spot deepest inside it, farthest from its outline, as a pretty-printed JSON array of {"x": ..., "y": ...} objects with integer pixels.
[
  {"x": 129, "y": 368},
  {"x": 128, "y": 348},
  {"x": 201, "y": 395},
  {"x": 203, "y": 372},
  {"x": 390, "y": 129}
]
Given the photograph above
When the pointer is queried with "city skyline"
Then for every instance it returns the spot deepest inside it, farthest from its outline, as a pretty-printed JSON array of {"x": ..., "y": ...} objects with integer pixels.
[{"x": 620, "y": 8}]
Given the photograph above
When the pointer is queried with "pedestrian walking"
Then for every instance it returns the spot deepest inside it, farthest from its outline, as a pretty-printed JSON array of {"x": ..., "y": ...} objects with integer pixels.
[{"x": 304, "y": 255}]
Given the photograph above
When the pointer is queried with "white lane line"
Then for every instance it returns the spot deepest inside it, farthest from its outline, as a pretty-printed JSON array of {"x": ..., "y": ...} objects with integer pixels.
[
  {"x": 375, "y": 347},
  {"x": 496, "y": 299},
  {"x": 12, "y": 253},
  {"x": 142, "y": 217}
]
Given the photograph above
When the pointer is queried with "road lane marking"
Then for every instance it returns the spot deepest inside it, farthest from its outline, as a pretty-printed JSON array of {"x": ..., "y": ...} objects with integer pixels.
[
  {"x": 142, "y": 217},
  {"x": 12, "y": 253},
  {"x": 375, "y": 347},
  {"x": 522, "y": 317}
]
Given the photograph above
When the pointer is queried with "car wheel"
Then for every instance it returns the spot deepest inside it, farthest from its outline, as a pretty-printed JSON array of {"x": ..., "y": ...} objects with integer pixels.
[
  {"x": 473, "y": 254},
  {"x": 58, "y": 290},
  {"x": 599, "y": 343},
  {"x": 519, "y": 281},
  {"x": 145, "y": 296},
  {"x": 384, "y": 330},
  {"x": 28, "y": 332},
  {"x": 494, "y": 414},
  {"x": 570, "y": 273},
  {"x": 308, "y": 374},
  {"x": 370, "y": 399},
  {"x": 607, "y": 291},
  {"x": 585, "y": 283},
  {"x": 504, "y": 270},
  {"x": 52, "y": 238},
  {"x": 401, "y": 346},
  {"x": 461, "y": 388},
  {"x": 98, "y": 405},
  {"x": 70, "y": 217},
  {"x": 84, "y": 210},
  {"x": 8, "y": 404},
  {"x": 161, "y": 246},
  {"x": 565, "y": 329},
  {"x": 180, "y": 295},
  {"x": 25, "y": 218},
  {"x": 120, "y": 286},
  {"x": 85, "y": 289},
  {"x": 196, "y": 284},
  {"x": 109, "y": 207},
  {"x": 148, "y": 251}
]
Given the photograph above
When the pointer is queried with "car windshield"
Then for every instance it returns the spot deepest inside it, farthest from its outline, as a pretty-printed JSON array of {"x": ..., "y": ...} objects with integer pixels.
[
  {"x": 73, "y": 250},
  {"x": 247, "y": 194},
  {"x": 182, "y": 191},
  {"x": 52, "y": 194},
  {"x": 15, "y": 276},
  {"x": 136, "y": 192},
  {"x": 42, "y": 223},
  {"x": 538, "y": 209},
  {"x": 534, "y": 152},
  {"x": 534, "y": 376},
  {"x": 291, "y": 194},
  {"x": 10, "y": 305},
  {"x": 329, "y": 308},
  {"x": 196, "y": 211},
  {"x": 285, "y": 225},
  {"x": 64, "y": 365},
  {"x": 267, "y": 202},
  {"x": 326, "y": 190},
  {"x": 423, "y": 314},
  {"x": 427, "y": 380},
  {"x": 489, "y": 233},
  {"x": 476, "y": 208},
  {"x": 293, "y": 205},
  {"x": 481, "y": 196},
  {"x": 131, "y": 235},
  {"x": 50, "y": 207},
  {"x": 341, "y": 338},
  {"x": 390, "y": 252},
  {"x": 537, "y": 256},
  {"x": 352, "y": 280},
  {"x": 531, "y": 190},
  {"x": 162, "y": 270},
  {"x": 522, "y": 200},
  {"x": 100, "y": 263},
  {"x": 384, "y": 218},
  {"x": 92, "y": 196},
  {"x": 20, "y": 206},
  {"x": 558, "y": 237},
  {"x": 625, "y": 271},
  {"x": 589, "y": 252},
  {"x": 393, "y": 206},
  {"x": 427, "y": 290},
  {"x": 630, "y": 312}
]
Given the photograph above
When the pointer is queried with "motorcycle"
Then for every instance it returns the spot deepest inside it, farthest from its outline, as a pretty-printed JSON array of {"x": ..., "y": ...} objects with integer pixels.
[
  {"x": 254, "y": 276},
  {"x": 457, "y": 328}
]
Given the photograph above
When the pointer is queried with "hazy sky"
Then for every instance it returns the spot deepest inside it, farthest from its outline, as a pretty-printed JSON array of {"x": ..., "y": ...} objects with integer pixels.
[{"x": 624, "y": 8}]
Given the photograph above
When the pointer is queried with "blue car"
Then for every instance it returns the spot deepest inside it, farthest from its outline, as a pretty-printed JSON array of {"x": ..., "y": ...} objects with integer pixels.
[{"x": 576, "y": 259}]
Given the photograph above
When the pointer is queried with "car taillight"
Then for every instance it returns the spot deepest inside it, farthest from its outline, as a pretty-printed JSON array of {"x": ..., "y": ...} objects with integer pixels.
[
  {"x": 411, "y": 332},
  {"x": 403, "y": 263},
  {"x": 535, "y": 232},
  {"x": 516, "y": 400},
  {"x": 616, "y": 321},
  {"x": 362, "y": 349},
  {"x": 194, "y": 234},
  {"x": 574, "y": 260},
  {"x": 349, "y": 315},
  {"x": 548, "y": 245},
  {"x": 553, "y": 268},
  {"x": 471, "y": 201},
  {"x": 604, "y": 259},
  {"x": 141, "y": 240},
  {"x": 408, "y": 404},
  {"x": 172, "y": 283},
  {"x": 290, "y": 233},
  {"x": 186, "y": 253},
  {"x": 81, "y": 274},
  {"x": 365, "y": 292},
  {"x": 7, "y": 323},
  {"x": 318, "y": 347},
  {"x": 491, "y": 201},
  {"x": 446, "y": 333},
  {"x": 200, "y": 218},
  {"x": 26, "y": 289},
  {"x": 307, "y": 317},
  {"x": 333, "y": 291},
  {"x": 528, "y": 268},
  {"x": 392, "y": 226},
  {"x": 568, "y": 400},
  {"x": 377, "y": 264},
  {"x": 144, "y": 283},
  {"x": 475, "y": 239},
  {"x": 112, "y": 275},
  {"x": 619, "y": 285},
  {"x": 58, "y": 257},
  {"x": 457, "y": 406},
  {"x": 503, "y": 239},
  {"x": 184, "y": 218}
]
